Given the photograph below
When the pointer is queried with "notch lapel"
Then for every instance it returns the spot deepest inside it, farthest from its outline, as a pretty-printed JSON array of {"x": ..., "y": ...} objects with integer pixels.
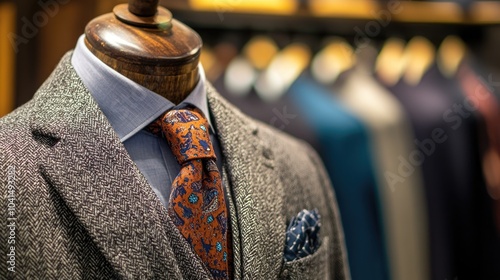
[
  {"x": 91, "y": 170},
  {"x": 256, "y": 190}
]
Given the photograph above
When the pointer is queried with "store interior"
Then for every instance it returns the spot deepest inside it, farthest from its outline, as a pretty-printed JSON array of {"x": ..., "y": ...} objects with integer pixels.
[{"x": 401, "y": 99}]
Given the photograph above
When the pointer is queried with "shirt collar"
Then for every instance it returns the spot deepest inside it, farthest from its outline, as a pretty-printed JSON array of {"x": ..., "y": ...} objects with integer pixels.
[{"x": 129, "y": 106}]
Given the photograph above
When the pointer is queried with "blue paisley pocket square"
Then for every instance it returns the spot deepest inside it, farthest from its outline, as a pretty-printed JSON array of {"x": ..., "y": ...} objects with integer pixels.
[{"x": 302, "y": 235}]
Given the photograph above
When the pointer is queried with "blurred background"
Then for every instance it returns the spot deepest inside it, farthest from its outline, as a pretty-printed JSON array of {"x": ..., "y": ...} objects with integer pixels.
[{"x": 399, "y": 98}]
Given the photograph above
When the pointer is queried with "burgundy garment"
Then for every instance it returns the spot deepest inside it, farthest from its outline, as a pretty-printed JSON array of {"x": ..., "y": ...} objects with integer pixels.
[{"x": 489, "y": 108}]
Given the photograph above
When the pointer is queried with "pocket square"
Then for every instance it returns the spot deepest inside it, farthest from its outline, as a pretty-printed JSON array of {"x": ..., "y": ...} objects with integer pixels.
[{"x": 302, "y": 235}]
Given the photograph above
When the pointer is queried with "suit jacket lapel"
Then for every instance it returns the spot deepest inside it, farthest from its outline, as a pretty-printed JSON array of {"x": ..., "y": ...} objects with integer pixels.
[
  {"x": 256, "y": 190},
  {"x": 92, "y": 172}
]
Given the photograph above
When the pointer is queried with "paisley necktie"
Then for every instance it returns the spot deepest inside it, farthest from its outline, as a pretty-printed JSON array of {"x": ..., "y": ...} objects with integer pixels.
[{"x": 197, "y": 205}]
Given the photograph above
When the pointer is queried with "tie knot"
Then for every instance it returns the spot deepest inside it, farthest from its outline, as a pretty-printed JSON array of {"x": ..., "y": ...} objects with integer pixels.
[{"x": 187, "y": 134}]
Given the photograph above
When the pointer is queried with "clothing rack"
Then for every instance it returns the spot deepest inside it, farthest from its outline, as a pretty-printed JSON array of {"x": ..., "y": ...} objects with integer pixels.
[
  {"x": 304, "y": 102},
  {"x": 355, "y": 21}
]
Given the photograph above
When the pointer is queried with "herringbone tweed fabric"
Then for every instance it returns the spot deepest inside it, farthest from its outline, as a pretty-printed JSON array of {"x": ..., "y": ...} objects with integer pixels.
[{"x": 84, "y": 211}]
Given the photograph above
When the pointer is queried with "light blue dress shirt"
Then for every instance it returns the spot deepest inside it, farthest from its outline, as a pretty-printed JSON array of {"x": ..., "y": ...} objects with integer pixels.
[{"x": 130, "y": 108}]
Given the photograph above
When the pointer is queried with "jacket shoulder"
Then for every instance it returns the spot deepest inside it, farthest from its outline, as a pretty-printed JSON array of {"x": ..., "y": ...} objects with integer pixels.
[
  {"x": 286, "y": 145},
  {"x": 15, "y": 124},
  {"x": 306, "y": 186},
  {"x": 18, "y": 115}
]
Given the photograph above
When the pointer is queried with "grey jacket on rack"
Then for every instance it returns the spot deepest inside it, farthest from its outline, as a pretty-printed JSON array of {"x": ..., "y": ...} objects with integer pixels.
[{"x": 76, "y": 205}]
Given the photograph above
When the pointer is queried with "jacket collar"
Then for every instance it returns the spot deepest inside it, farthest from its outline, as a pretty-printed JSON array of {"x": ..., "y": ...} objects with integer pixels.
[
  {"x": 256, "y": 189},
  {"x": 92, "y": 172},
  {"x": 118, "y": 97}
]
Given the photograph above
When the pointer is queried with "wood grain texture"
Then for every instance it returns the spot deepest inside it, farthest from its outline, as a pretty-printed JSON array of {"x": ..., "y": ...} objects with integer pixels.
[
  {"x": 161, "y": 20},
  {"x": 7, "y": 55},
  {"x": 143, "y": 8},
  {"x": 162, "y": 60}
]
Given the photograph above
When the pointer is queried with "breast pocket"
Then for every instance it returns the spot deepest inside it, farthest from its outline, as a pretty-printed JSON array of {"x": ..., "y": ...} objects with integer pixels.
[{"x": 312, "y": 267}]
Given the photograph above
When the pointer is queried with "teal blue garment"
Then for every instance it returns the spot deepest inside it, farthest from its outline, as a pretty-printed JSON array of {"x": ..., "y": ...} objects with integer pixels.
[{"x": 346, "y": 153}]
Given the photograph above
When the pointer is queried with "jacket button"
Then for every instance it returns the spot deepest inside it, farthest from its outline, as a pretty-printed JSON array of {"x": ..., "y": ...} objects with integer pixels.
[{"x": 268, "y": 154}]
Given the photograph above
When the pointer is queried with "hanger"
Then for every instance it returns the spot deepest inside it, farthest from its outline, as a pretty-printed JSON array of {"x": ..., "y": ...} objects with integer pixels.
[
  {"x": 419, "y": 56},
  {"x": 210, "y": 63},
  {"x": 242, "y": 72},
  {"x": 283, "y": 70},
  {"x": 144, "y": 43},
  {"x": 225, "y": 51},
  {"x": 391, "y": 62},
  {"x": 450, "y": 54},
  {"x": 334, "y": 59},
  {"x": 240, "y": 76},
  {"x": 366, "y": 56},
  {"x": 260, "y": 51}
]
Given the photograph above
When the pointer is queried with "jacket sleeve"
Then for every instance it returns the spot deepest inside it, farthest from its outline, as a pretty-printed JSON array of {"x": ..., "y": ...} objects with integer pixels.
[
  {"x": 4, "y": 202},
  {"x": 338, "y": 251}
]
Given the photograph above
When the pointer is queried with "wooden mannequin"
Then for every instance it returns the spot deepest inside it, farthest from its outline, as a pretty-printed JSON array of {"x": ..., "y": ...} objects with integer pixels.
[{"x": 144, "y": 43}]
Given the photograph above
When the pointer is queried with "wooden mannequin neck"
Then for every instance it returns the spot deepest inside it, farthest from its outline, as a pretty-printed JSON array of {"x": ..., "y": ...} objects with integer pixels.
[
  {"x": 161, "y": 80},
  {"x": 157, "y": 52}
]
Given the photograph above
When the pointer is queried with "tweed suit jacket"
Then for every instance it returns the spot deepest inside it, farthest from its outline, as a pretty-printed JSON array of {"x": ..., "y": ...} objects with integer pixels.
[{"x": 83, "y": 210}]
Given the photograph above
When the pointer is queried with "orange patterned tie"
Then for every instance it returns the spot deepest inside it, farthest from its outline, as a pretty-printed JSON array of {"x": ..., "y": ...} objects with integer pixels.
[{"x": 197, "y": 205}]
